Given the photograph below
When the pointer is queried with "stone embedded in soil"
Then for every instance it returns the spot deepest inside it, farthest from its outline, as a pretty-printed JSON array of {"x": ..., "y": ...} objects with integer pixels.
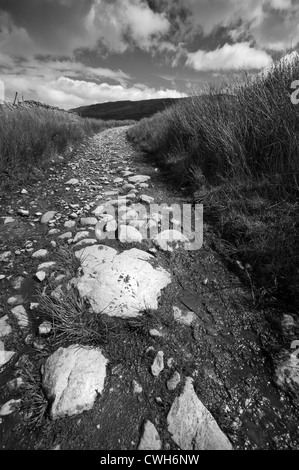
[
  {"x": 5, "y": 328},
  {"x": 122, "y": 285},
  {"x": 4, "y": 257},
  {"x": 72, "y": 182},
  {"x": 136, "y": 387},
  {"x": 128, "y": 234},
  {"x": 23, "y": 212},
  {"x": 111, "y": 226},
  {"x": 173, "y": 382},
  {"x": 21, "y": 316},
  {"x": 192, "y": 426},
  {"x": 287, "y": 371},
  {"x": 69, "y": 224},
  {"x": 5, "y": 356},
  {"x": 47, "y": 265},
  {"x": 8, "y": 220},
  {"x": 79, "y": 236},
  {"x": 158, "y": 364},
  {"x": 86, "y": 221},
  {"x": 184, "y": 318},
  {"x": 72, "y": 379},
  {"x": 65, "y": 236},
  {"x": 47, "y": 217},
  {"x": 150, "y": 439},
  {"x": 40, "y": 254},
  {"x": 169, "y": 239},
  {"x": 139, "y": 179},
  {"x": 156, "y": 333},
  {"x": 41, "y": 276},
  {"x": 85, "y": 242},
  {"x": 9, "y": 407},
  {"x": 146, "y": 199},
  {"x": 15, "y": 300}
]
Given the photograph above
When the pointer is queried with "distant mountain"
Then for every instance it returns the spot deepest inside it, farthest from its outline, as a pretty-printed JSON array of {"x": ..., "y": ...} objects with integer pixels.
[{"x": 121, "y": 110}]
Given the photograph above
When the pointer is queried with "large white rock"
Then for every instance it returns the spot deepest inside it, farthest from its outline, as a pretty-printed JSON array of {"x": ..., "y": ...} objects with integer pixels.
[
  {"x": 192, "y": 426},
  {"x": 5, "y": 356},
  {"x": 72, "y": 378},
  {"x": 169, "y": 238},
  {"x": 150, "y": 439},
  {"x": 121, "y": 285}
]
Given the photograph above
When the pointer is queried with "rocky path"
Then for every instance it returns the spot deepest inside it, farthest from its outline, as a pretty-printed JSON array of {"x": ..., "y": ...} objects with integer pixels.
[{"x": 112, "y": 340}]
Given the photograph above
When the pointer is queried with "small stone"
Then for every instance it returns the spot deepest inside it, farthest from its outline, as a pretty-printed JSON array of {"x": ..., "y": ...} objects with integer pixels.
[
  {"x": 54, "y": 231},
  {"x": 146, "y": 199},
  {"x": 5, "y": 328},
  {"x": 65, "y": 236},
  {"x": 24, "y": 191},
  {"x": 166, "y": 239},
  {"x": 69, "y": 224},
  {"x": 118, "y": 180},
  {"x": 158, "y": 364},
  {"x": 128, "y": 234},
  {"x": 9, "y": 407},
  {"x": 4, "y": 256},
  {"x": 45, "y": 328},
  {"x": 40, "y": 276},
  {"x": 40, "y": 254},
  {"x": 47, "y": 217},
  {"x": 156, "y": 333},
  {"x": 23, "y": 213},
  {"x": 39, "y": 344},
  {"x": 86, "y": 221},
  {"x": 136, "y": 387},
  {"x": 15, "y": 300},
  {"x": 53, "y": 244},
  {"x": 150, "y": 439},
  {"x": 111, "y": 226},
  {"x": 46, "y": 266},
  {"x": 8, "y": 220},
  {"x": 33, "y": 305},
  {"x": 184, "y": 318},
  {"x": 72, "y": 182},
  {"x": 21, "y": 316},
  {"x": 174, "y": 381},
  {"x": 80, "y": 236},
  {"x": 139, "y": 179}
]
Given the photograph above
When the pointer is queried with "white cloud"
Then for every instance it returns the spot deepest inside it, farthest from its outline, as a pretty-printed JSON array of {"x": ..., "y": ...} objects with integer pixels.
[
  {"x": 70, "y": 93},
  {"x": 229, "y": 57}
]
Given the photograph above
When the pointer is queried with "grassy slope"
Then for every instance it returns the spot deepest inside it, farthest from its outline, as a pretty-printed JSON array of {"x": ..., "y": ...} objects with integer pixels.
[
  {"x": 135, "y": 110},
  {"x": 30, "y": 136},
  {"x": 239, "y": 155}
]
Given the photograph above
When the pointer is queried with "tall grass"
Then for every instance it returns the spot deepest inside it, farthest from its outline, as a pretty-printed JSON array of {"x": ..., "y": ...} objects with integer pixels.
[
  {"x": 238, "y": 151},
  {"x": 30, "y": 136}
]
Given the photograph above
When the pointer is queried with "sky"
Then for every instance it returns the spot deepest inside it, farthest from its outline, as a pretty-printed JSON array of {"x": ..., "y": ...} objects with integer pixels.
[{"x": 71, "y": 53}]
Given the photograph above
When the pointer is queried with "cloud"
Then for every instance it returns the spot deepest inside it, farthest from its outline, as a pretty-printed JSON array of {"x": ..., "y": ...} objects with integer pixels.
[
  {"x": 229, "y": 57},
  {"x": 70, "y": 93},
  {"x": 60, "y": 27}
]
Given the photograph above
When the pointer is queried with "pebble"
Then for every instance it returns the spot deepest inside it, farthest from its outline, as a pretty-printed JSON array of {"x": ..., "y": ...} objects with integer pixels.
[
  {"x": 47, "y": 217},
  {"x": 158, "y": 364},
  {"x": 9, "y": 407},
  {"x": 40, "y": 276},
  {"x": 40, "y": 254},
  {"x": 173, "y": 382}
]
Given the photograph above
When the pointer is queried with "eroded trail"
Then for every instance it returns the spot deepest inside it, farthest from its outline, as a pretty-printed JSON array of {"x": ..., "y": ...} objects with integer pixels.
[{"x": 179, "y": 361}]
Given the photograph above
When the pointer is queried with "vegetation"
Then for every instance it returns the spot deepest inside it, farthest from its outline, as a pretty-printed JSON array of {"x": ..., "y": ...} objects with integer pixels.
[
  {"x": 238, "y": 154},
  {"x": 29, "y": 136}
]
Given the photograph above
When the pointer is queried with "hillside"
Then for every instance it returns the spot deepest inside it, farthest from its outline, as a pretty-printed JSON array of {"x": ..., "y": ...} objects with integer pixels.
[{"x": 122, "y": 110}]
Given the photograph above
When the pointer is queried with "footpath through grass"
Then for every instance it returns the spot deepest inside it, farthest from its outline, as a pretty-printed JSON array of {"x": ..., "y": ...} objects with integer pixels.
[
  {"x": 239, "y": 153},
  {"x": 29, "y": 137}
]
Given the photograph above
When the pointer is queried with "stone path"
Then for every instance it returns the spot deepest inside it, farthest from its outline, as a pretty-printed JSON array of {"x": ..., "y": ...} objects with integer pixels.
[{"x": 185, "y": 368}]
